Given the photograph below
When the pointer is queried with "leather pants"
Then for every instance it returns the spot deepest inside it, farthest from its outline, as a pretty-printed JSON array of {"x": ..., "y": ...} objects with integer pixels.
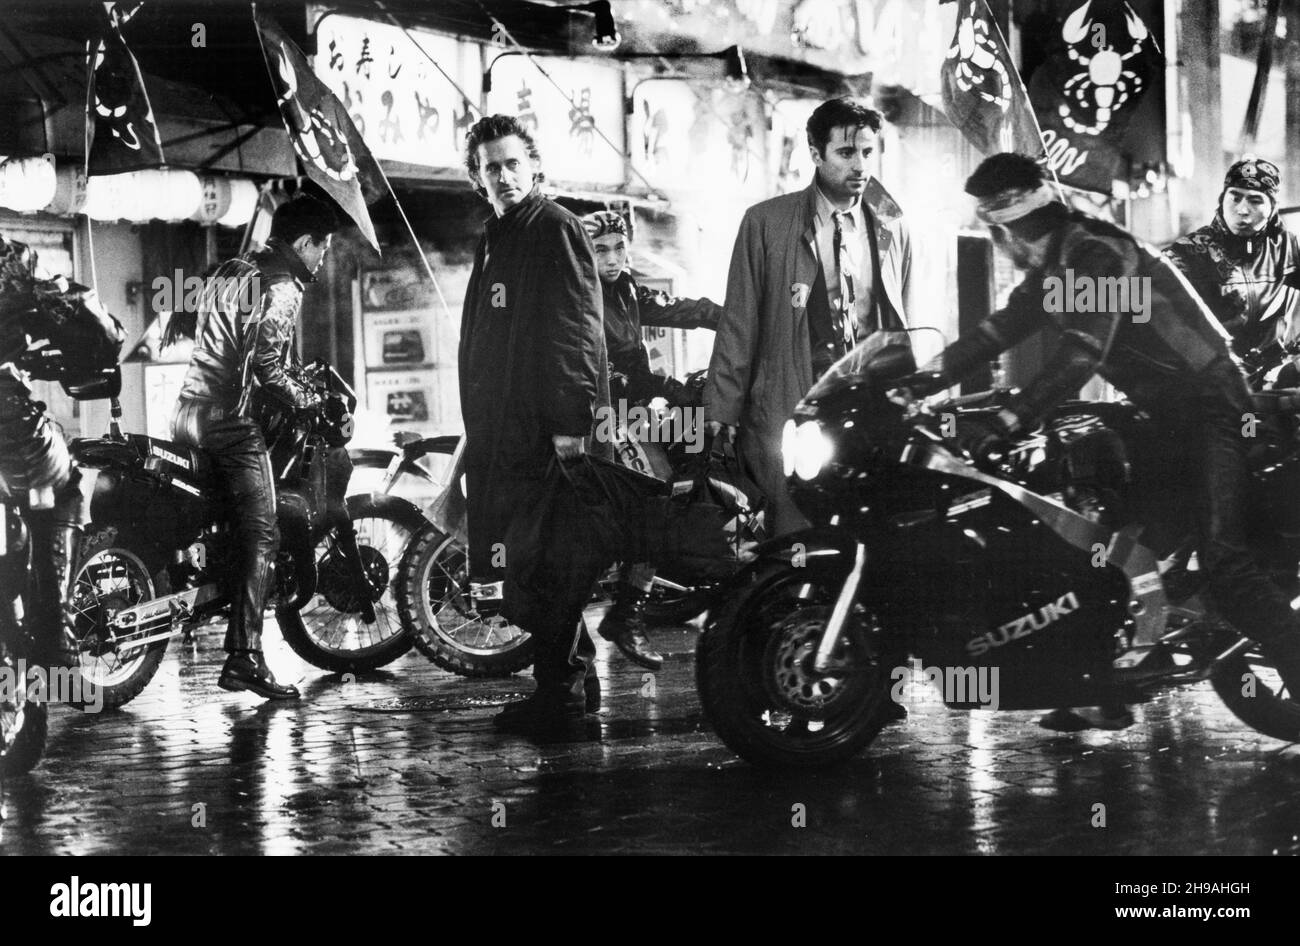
[{"x": 243, "y": 469}]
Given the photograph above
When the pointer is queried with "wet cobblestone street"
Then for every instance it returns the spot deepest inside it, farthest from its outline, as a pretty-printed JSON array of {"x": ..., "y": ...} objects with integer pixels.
[{"x": 406, "y": 761}]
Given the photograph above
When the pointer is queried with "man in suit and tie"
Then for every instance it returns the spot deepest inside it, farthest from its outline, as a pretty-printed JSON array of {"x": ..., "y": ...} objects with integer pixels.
[{"x": 812, "y": 273}]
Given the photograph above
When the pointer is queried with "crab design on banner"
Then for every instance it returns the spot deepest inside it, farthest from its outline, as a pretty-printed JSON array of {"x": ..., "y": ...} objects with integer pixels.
[
  {"x": 121, "y": 133},
  {"x": 978, "y": 66},
  {"x": 1104, "y": 85}
]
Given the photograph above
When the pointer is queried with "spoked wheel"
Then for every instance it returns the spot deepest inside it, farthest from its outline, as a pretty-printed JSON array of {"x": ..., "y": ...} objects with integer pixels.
[
  {"x": 1253, "y": 690},
  {"x": 754, "y": 671},
  {"x": 110, "y": 577},
  {"x": 435, "y": 603},
  {"x": 329, "y": 632}
]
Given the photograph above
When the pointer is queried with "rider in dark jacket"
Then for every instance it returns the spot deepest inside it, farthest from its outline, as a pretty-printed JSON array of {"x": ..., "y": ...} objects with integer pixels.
[
  {"x": 1245, "y": 264},
  {"x": 1169, "y": 355},
  {"x": 627, "y": 307},
  {"x": 238, "y": 365},
  {"x": 33, "y": 457}
]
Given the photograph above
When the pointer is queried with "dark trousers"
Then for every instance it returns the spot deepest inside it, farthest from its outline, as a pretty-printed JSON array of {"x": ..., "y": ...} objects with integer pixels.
[
  {"x": 1240, "y": 589},
  {"x": 243, "y": 469},
  {"x": 564, "y": 654},
  {"x": 54, "y": 536}
]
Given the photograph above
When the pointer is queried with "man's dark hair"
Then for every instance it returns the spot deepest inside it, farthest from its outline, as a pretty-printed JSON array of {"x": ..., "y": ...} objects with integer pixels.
[
  {"x": 304, "y": 214},
  {"x": 1004, "y": 172},
  {"x": 494, "y": 128},
  {"x": 839, "y": 113}
]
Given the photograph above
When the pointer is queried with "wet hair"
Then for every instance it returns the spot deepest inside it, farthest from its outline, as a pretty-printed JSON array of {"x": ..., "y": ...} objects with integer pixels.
[
  {"x": 1004, "y": 172},
  {"x": 839, "y": 113},
  {"x": 304, "y": 215},
  {"x": 494, "y": 128}
]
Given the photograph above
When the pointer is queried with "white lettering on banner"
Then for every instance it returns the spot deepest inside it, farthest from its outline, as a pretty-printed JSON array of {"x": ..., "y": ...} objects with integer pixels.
[
  {"x": 404, "y": 108},
  {"x": 1062, "y": 156}
]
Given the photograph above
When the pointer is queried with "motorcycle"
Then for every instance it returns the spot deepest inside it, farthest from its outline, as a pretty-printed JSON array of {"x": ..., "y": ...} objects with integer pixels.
[
  {"x": 1055, "y": 575},
  {"x": 454, "y": 622},
  {"x": 156, "y": 551}
]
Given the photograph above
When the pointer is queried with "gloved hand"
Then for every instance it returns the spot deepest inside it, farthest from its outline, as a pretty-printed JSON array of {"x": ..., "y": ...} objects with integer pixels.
[
  {"x": 984, "y": 439},
  {"x": 923, "y": 383},
  {"x": 678, "y": 394}
]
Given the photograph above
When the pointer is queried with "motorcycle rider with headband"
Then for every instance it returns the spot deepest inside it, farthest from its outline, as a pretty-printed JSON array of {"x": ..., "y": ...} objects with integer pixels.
[
  {"x": 33, "y": 456},
  {"x": 628, "y": 306},
  {"x": 240, "y": 358},
  {"x": 1172, "y": 360}
]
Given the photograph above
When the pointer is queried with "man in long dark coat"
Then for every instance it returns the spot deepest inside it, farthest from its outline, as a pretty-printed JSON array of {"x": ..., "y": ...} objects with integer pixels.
[{"x": 532, "y": 375}]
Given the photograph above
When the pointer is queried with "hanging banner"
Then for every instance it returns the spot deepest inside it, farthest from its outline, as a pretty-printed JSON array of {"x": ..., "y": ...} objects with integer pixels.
[
  {"x": 403, "y": 106},
  {"x": 565, "y": 124},
  {"x": 1087, "y": 89},
  {"x": 121, "y": 134}
]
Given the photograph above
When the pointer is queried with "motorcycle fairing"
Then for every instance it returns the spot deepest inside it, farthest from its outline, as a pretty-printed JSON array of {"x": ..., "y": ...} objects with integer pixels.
[{"x": 1149, "y": 605}]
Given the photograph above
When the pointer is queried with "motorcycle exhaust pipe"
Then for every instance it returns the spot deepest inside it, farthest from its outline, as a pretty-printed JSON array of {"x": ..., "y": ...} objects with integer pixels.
[{"x": 840, "y": 613}]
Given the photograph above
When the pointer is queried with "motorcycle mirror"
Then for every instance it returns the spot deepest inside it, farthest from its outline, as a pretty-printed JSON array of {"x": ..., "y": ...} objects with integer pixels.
[{"x": 102, "y": 386}]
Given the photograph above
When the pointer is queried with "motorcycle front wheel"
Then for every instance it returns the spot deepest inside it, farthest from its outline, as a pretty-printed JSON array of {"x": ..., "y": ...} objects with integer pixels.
[
  {"x": 328, "y": 631},
  {"x": 754, "y": 671},
  {"x": 436, "y": 606}
]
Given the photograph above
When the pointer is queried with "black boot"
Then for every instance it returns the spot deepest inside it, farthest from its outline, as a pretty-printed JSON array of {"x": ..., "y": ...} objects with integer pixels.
[
  {"x": 624, "y": 626},
  {"x": 1284, "y": 652},
  {"x": 247, "y": 670}
]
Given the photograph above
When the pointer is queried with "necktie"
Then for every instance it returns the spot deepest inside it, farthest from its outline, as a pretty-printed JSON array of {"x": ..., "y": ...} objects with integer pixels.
[{"x": 842, "y": 267}]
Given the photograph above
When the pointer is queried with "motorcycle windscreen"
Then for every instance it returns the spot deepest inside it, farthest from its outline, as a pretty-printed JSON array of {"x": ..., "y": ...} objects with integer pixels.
[{"x": 879, "y": 358}]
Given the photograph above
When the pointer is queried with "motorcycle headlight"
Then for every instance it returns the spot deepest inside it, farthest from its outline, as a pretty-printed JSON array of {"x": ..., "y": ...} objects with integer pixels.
[{"x": 805, "y": 449}]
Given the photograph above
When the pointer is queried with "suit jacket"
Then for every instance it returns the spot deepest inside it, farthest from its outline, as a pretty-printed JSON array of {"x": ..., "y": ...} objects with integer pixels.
[{"x": 762, "y": 361}]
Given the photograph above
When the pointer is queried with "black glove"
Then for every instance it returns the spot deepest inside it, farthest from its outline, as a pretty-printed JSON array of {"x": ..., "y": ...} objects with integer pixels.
[
  {"x": 923, "y": 383},
  {"x": 983, "y": 438},
  {"x": 678, "y": 394}
]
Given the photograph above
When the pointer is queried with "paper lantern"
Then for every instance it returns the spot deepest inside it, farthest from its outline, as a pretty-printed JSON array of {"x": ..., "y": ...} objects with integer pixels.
[
  {"x": 112, "y": 196},
  {"x": 27, "y": 184},
  {"x": 214, "y": 199},
  {"x": 69, "y": 190},
  {"x": 183, "y": 192},
  {"x": 243, "y": 202}
]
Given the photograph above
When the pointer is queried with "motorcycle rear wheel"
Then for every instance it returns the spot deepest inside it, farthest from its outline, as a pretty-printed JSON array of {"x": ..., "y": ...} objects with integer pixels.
[
  {"x": 1253, "y": 691},
  {"x": 328, "y": 631},
  {"x": 753, "y": 669},
  {"x": 446, "y": 627},
  {"x": 113, "y": 573}
]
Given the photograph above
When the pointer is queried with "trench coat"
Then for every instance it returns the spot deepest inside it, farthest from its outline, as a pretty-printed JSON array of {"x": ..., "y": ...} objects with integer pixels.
[
  {"x": 762, "y": 360},
  {"x": 532, "y": 362}
]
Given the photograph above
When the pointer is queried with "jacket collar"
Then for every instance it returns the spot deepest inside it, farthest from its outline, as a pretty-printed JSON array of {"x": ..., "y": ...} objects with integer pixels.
[
  {"x": 881, "y": 210},
  {"x": 281, "y": 257}
]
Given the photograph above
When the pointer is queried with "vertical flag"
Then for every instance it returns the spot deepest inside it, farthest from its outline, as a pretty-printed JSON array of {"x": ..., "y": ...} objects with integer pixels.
[
  {"x": 982, "y": 92},
  {"x": 1088, "y": 87},
  {"x": 331, "y": 150},
  {"x": 121, "y": 134}
]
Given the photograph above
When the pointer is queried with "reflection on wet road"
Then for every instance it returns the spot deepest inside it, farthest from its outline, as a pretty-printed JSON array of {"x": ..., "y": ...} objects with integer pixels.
[{"x": 406, "y": 760}]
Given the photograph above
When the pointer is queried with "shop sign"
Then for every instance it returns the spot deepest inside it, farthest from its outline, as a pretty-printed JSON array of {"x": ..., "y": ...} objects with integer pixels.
[
  {"x": 404, "y": 108},
  {"x": 699, "y": 136},
  {"x": 566, "y": 122}
]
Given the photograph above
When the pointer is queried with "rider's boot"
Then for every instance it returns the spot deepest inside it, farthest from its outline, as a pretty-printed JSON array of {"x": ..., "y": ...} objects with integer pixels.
[
  {"x": 624, "y": 625},
  {"x": 247, "y": 670}
]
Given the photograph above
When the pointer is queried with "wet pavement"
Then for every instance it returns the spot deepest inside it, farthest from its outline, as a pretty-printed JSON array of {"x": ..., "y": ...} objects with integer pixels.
[{"x": 406, "y": 761}]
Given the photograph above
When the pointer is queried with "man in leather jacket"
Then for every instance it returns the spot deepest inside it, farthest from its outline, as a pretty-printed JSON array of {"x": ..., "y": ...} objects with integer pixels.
[
  {"x": 33, "y": 456},
  {"x": 1245, "y": 264},
  {"x": 1171, "y": 358},
  {"x": 628, "y": 306},
  {"x": 239, "y": 361}
]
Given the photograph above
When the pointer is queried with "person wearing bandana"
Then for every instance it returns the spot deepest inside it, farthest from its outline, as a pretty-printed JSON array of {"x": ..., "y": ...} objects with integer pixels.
[
  {"x": 1245, "y": 264},
  {"x": 1172, "y": 360},
  {"x": 628, "y": 306}
]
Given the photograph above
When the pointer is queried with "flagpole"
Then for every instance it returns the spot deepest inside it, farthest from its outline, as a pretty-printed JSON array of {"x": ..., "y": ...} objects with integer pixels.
[{"x": 415, "y": 240}]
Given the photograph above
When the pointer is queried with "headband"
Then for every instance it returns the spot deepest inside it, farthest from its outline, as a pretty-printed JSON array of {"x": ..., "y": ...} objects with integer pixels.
[
  {"x": 1010, "y": 205},
  {"x": 602, "y": 222}
]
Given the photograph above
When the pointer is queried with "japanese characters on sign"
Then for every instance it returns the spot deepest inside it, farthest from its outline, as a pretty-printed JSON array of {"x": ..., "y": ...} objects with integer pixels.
[
  {"x": 405, "y": 109},
  {"x": 567, "y": 124}
]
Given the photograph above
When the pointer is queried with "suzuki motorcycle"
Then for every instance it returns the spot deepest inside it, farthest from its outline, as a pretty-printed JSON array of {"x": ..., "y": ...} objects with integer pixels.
[
  {"x": 1060, "y": 570},
  {"x": 158, "y": 548},
  {"x": 453, "y": 621}
]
